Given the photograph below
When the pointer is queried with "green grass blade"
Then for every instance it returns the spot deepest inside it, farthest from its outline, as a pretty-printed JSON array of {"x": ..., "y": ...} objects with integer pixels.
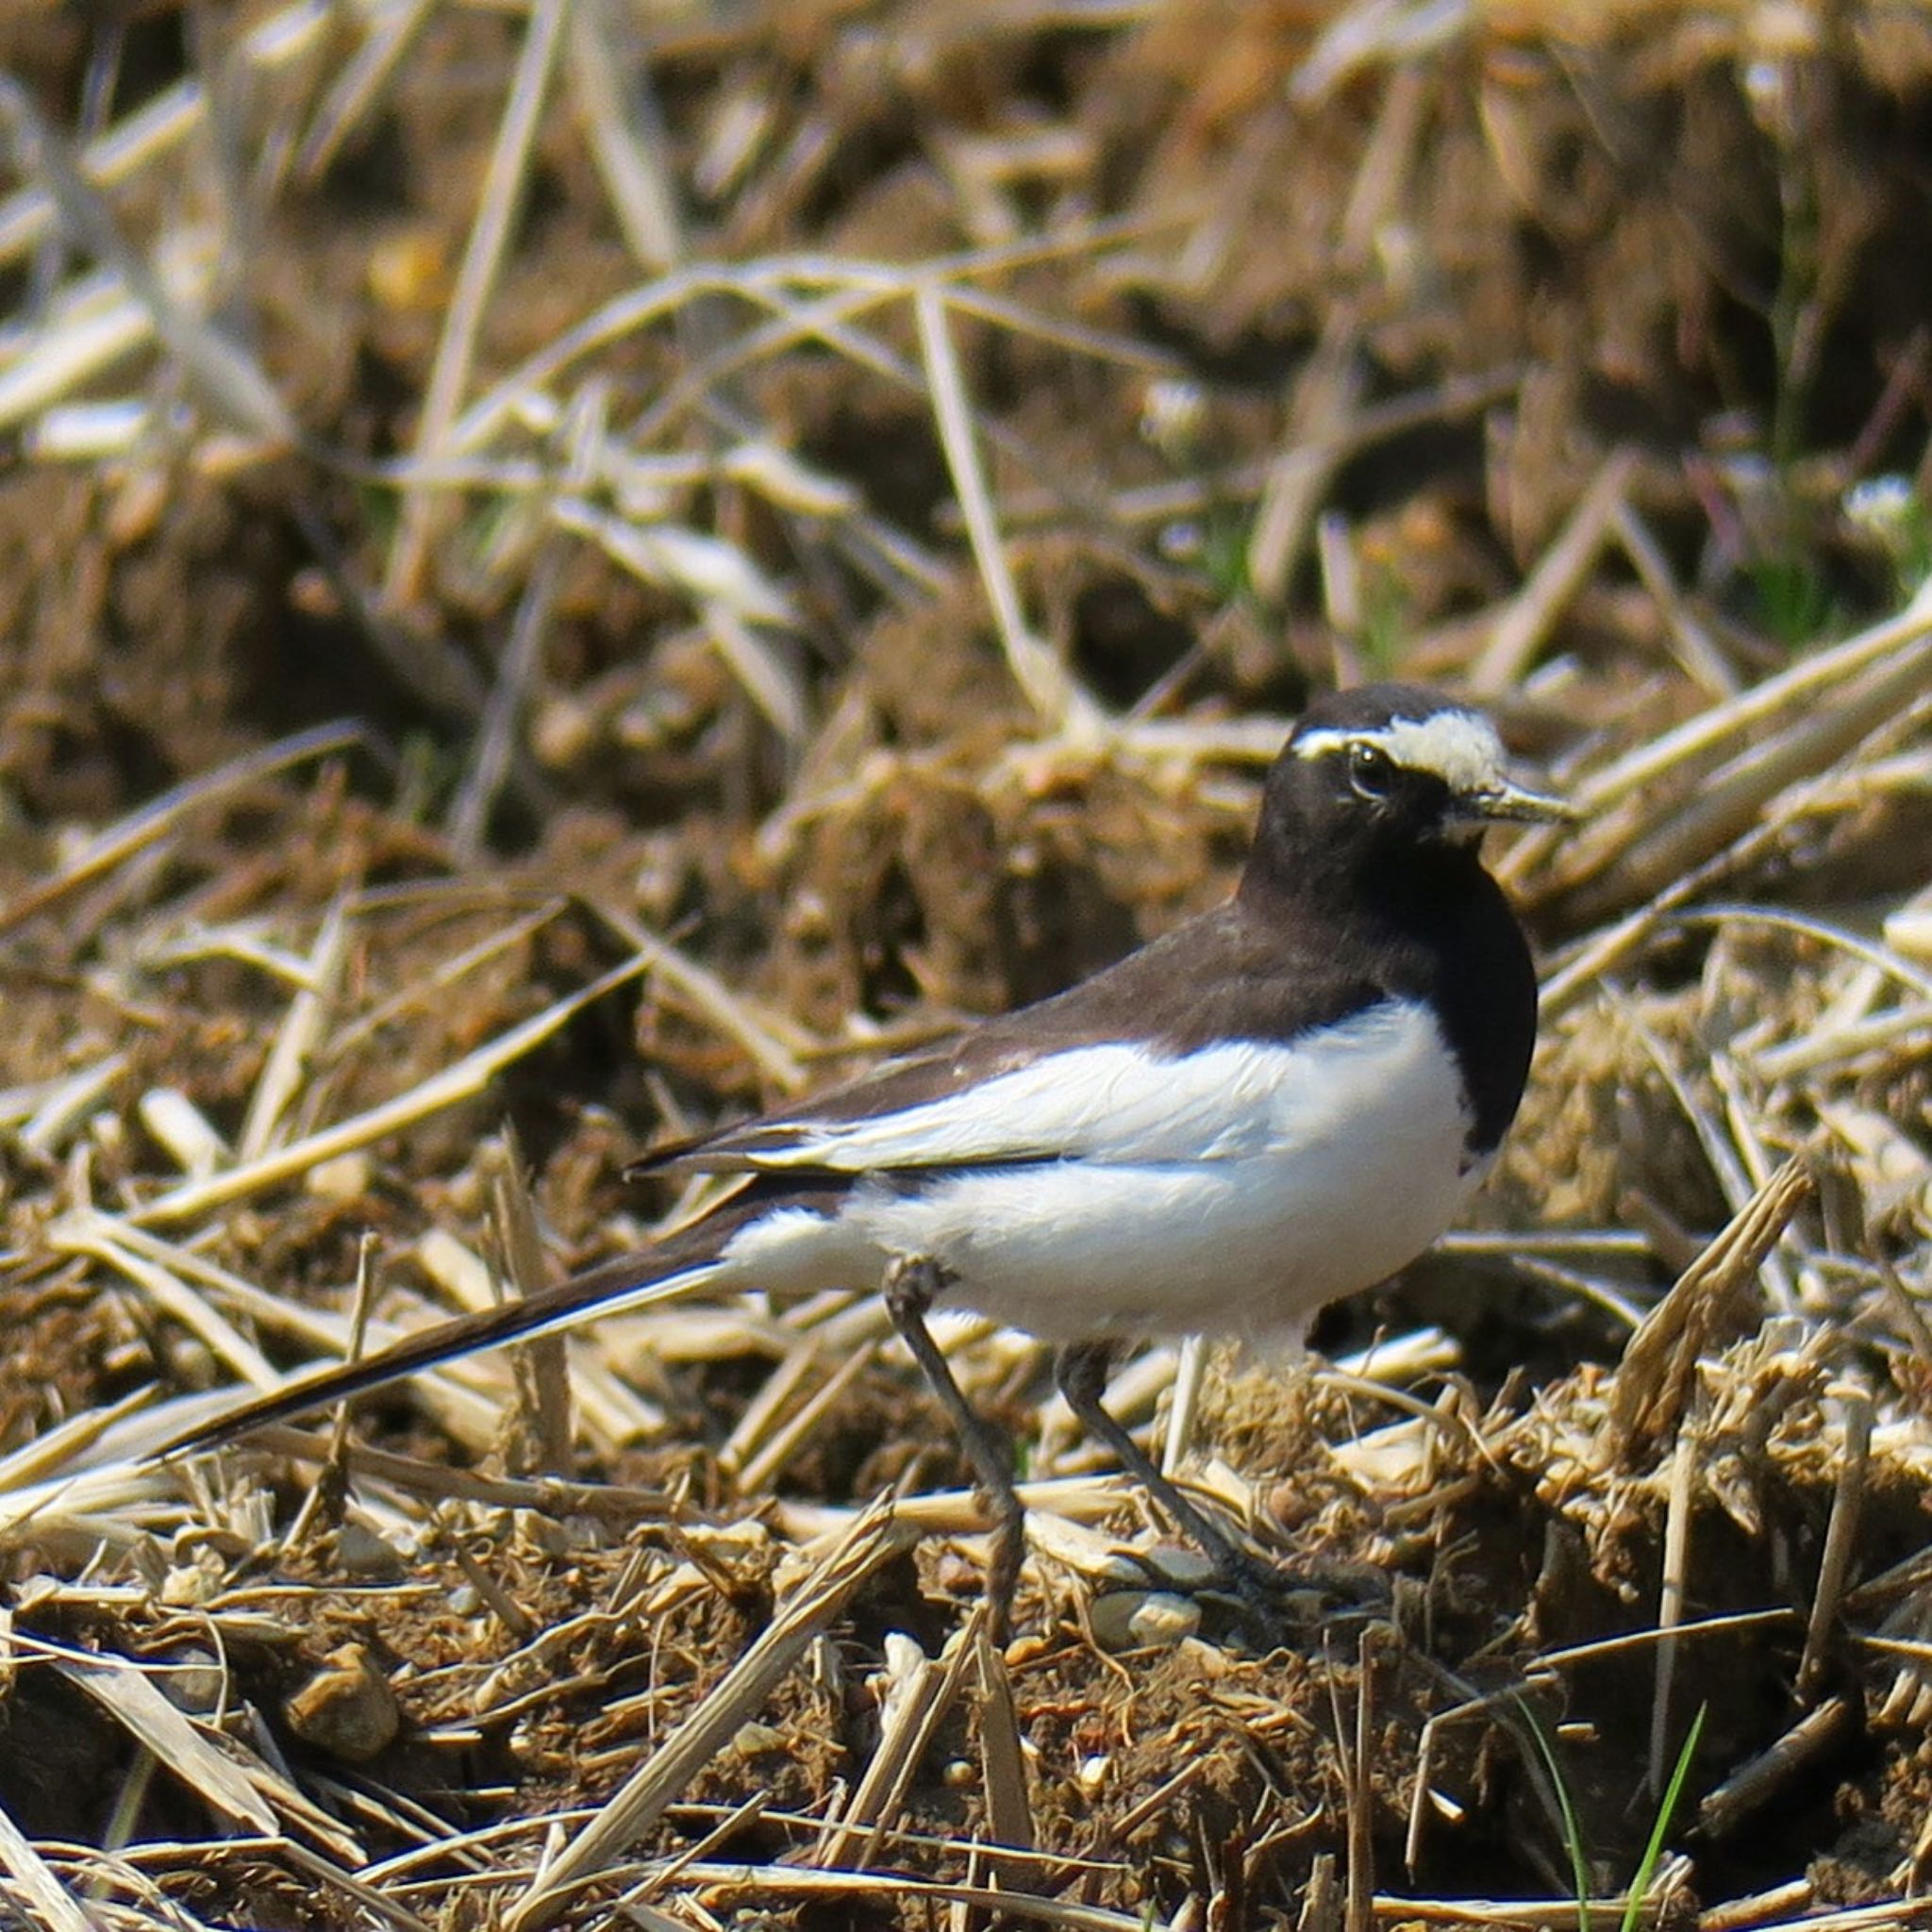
[
  {"x": 1573, "y": 1832},
  {"x": 1654, "y": 1850}
]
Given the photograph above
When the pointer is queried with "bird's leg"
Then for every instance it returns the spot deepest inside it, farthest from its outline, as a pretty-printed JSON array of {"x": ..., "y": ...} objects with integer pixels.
[
  {"x": 1081, "y": 1368},
  {"x": 911, "y": 1285}
]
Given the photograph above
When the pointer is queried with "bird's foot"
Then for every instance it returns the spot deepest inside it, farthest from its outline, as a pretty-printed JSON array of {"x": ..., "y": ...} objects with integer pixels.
[{"x": 1273, "y": 1601}]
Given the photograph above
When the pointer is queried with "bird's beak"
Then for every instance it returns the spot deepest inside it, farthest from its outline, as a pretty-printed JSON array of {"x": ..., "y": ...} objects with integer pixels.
[{"x": 1516, "y": 802}]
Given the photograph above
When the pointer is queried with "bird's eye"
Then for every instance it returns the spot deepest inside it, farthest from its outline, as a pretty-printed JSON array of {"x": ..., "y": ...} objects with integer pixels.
[{"x": 1371, "y": 770}]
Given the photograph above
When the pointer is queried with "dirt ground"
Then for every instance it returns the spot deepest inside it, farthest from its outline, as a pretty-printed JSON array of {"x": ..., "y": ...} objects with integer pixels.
[{"x": 572, "y": 570}]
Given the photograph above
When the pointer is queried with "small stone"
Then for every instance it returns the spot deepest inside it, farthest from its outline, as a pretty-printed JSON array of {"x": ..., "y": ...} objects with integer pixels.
[
  {"x": 1909, "y": 931},
  {"x": 362, "y": 1553},
  {"x": 1184, "y": 1567},
  {"x": 1144, "y": 1619},
  {"x": 757, "y": 1741},
  {"x": 344, "y": 1178},
  {"x": 408, "y": 273},
  {"x": 194, "y": 1680},
  {"x": 586, "y": 1533},
  {"x": 563, "y": 732},
  {"x": 347, "y": 1708},
  {"x": 545, "y": 1533},
  {"x": 190, "y": 1361},
  {"x": 188, "y": 1586}
]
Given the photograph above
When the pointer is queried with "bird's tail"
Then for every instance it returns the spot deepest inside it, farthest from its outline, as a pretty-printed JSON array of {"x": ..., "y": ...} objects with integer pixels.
[{"x": 615, "y": 1288}]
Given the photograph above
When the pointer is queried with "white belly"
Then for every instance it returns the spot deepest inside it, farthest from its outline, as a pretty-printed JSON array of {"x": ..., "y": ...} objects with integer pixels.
[{"x": 1250, "y": 1184}]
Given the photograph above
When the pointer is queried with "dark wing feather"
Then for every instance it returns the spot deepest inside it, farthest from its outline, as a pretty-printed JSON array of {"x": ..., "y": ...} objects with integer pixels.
[{"x": 1219, "y": 977}]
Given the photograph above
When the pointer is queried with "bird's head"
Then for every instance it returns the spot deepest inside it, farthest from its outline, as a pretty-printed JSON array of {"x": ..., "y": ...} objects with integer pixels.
[{"x": 1384, "y": 768}]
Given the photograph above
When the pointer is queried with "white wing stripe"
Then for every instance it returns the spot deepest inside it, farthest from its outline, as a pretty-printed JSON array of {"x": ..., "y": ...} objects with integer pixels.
[{"x": 1124, "y": 1104}]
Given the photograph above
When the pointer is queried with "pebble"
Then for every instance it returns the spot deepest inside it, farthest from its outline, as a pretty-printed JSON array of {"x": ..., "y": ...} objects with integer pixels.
[
  {"x": 346, "y": 1177},
  {"x": 346, "y": 1709},
  {"x": 1144, "y": 1619},
  {"x": 361, "y": 1553}
]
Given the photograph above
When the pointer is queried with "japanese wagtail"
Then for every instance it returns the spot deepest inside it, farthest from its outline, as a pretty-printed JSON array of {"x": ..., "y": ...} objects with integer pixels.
[{"x": 1280, "y": 1102}]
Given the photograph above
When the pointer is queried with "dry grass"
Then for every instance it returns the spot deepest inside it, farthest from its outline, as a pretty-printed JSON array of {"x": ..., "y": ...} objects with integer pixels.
[{"x": 818, "y": 522}]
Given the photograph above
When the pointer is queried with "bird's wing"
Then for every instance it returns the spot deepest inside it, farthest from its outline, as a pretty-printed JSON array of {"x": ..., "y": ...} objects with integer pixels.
[
  {"x": 926, "y": 1110},
  {"x": 952, "y": 1113},
  {"x": 1133, "y": 1067}
]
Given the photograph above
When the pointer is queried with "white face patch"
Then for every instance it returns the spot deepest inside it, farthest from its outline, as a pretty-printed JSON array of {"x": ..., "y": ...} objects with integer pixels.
[{"x": 1460, "y": 748}]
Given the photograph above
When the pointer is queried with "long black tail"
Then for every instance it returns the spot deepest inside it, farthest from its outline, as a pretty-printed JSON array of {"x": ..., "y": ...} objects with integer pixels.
[
  {"x": 613, "y": 1287},
  {"x": 685, "y": 1263}
]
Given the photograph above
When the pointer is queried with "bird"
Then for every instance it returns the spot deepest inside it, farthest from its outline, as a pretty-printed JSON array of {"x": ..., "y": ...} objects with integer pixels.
[{"x": 1277, "y": 1104}]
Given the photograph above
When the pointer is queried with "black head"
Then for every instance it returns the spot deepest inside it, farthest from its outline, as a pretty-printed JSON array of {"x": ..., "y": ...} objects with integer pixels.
[{"x": 1388, "y": 771}]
